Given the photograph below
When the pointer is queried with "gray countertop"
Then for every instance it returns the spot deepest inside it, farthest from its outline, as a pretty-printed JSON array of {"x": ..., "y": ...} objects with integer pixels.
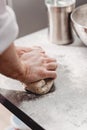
[{"x": 65, "y": 107}]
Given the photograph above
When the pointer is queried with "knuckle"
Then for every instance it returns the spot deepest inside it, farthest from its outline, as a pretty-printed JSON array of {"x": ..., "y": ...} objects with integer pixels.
[
  {"x": 42, "y": 73},
  {"x": 41, "y": 59}
]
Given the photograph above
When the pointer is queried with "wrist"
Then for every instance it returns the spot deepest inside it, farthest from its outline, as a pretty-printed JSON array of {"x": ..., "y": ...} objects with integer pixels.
[{"x": 21, "y": 73}]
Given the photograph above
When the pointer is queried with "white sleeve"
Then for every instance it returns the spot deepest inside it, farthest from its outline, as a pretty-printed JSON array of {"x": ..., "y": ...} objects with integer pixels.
[{"x": 8, "y": 26}]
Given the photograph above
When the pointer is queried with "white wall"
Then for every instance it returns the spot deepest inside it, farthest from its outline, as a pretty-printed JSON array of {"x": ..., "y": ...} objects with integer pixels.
[
  {"x": 32, "y": 15},
  {"x": 79, "y": 2}
]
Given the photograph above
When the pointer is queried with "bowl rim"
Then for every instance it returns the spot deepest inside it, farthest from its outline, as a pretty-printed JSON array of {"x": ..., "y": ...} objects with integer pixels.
[{"x": 77, "y": 8}]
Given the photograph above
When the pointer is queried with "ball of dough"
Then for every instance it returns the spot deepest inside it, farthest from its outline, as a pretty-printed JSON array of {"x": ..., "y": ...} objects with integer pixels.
[{"x": 40, "y": 87}]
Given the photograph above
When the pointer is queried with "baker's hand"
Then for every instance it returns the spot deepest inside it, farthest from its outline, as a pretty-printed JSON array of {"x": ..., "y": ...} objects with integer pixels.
[
  {"x": 38, "y": 66},
  {"x": 21, "y": 50}
]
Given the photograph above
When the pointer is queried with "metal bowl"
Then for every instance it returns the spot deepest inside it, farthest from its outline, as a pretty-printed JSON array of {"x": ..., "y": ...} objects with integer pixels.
[{"x": 79, "y": 22}]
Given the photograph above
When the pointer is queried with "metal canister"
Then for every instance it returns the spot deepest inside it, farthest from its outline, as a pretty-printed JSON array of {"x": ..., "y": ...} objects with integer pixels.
[{"x": 59, "y": 30}]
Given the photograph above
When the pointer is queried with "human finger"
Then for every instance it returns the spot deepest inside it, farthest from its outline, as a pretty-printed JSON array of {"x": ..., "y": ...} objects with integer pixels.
[
  {"x": 52, "y": 66},
  {"x": 50, "y": 74},
  {"x": 48, "y": 60}
]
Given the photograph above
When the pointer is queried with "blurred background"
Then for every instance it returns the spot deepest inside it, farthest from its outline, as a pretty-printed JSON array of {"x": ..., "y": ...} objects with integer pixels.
[{"x": 31, "y": 14}]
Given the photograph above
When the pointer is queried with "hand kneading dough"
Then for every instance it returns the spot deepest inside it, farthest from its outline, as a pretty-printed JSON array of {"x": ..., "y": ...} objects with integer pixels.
[{"x": 40, "y": 87}]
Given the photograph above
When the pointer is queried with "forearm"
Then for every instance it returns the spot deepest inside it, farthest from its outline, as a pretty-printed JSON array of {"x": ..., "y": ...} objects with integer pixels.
[{"x": 10, "y": 64}]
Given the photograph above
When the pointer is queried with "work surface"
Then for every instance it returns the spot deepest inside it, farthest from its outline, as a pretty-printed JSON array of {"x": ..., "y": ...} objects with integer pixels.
[{"x": 65, "y": 107}]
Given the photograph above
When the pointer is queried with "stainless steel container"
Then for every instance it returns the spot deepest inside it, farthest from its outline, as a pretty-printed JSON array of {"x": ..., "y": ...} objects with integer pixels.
[{"x": 59, "y": 29}]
